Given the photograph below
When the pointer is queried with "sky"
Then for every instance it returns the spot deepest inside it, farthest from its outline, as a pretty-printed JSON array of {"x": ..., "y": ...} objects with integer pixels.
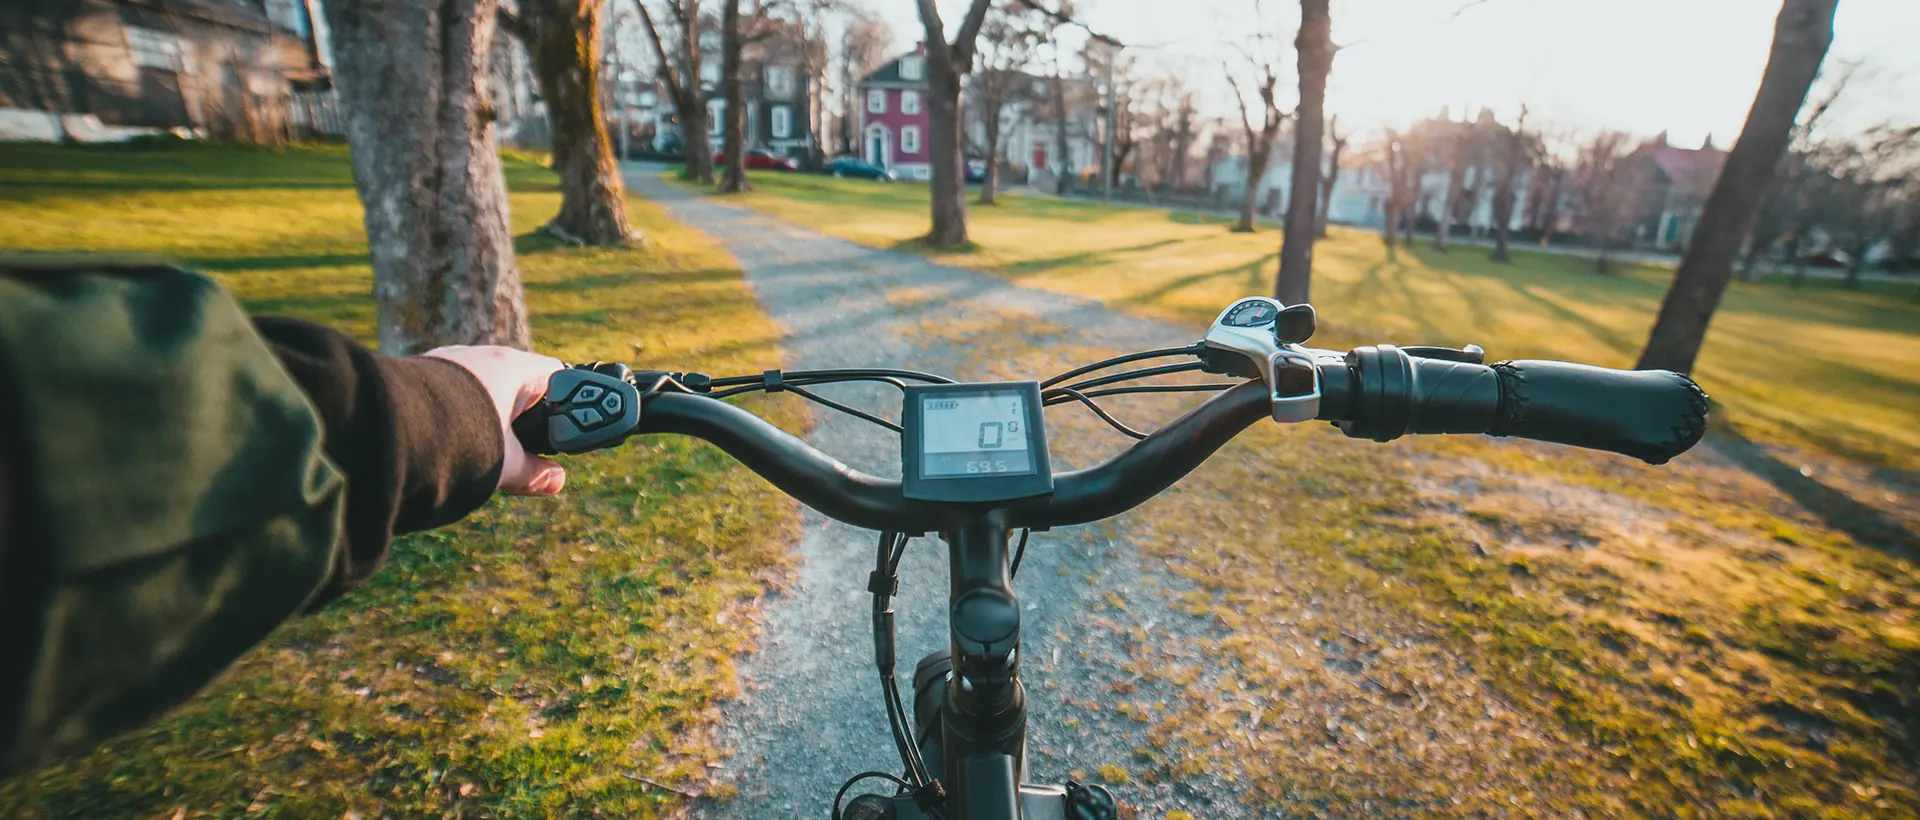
[{"x": 1688, "y": 67}]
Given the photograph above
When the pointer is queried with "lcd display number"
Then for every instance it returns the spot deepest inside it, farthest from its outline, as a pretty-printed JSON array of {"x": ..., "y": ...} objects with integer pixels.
[{"x": 967, "y": 434}]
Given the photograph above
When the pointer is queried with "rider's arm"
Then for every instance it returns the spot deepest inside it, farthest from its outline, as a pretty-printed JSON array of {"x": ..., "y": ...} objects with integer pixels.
[{"x": 175, "y": 482}]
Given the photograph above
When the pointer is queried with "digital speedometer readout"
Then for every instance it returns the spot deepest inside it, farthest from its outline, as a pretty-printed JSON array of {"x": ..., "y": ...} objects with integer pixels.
[{"x": 965, "y": 434}]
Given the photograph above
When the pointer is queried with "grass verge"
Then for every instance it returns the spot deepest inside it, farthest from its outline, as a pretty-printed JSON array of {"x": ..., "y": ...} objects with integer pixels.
[{"x": 545, "y": 657}]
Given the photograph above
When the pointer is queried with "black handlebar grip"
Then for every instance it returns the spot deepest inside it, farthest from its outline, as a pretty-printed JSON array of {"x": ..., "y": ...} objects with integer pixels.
[
  {"x": 1651, "y": 415},
  {"x": 530, "y": 427},
  {"x": 1392, "y": 394}
]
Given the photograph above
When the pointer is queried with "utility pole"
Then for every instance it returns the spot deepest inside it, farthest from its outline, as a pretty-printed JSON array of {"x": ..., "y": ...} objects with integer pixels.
[{"x": 620, "y": 89}]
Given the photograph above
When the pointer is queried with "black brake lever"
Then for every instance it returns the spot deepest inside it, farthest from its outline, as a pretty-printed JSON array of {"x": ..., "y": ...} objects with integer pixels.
[{"x": 1471, "y": 354}]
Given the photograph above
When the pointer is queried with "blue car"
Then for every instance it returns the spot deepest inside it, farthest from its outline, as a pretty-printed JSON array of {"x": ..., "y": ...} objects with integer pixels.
[{"x": 858, "y": 169}]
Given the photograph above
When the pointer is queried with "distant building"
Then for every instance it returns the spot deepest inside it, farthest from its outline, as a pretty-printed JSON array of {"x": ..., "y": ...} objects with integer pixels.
[
  {"x": 218, "y": 68},
  {"x": 894, "y": 122},
  {"x": 775, "y": 86},
  {"x": 1680, "y": 179},
  {"x": 1028, "y": 127}
]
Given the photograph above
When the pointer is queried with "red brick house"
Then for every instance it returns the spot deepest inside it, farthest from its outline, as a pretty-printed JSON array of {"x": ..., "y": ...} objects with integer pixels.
[{"x": 893, "y": 116}]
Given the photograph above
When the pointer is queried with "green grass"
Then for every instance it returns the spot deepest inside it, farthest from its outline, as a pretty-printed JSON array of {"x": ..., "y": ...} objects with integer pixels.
[
  {"x": 1835, "y": 370},
  {"x": 531, "y": 661},
  {"x": 1469, "y": 627}
]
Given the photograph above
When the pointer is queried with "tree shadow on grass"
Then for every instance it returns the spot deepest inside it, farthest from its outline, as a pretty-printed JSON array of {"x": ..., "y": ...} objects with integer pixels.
[
  {"x": 231, "y": 264},
  {"x": 1032, "y": 267},
  {"x": 1862, "y": 522},
  {"x": 1253, "y": 270},
  {"x": 1605, "y": 335}
]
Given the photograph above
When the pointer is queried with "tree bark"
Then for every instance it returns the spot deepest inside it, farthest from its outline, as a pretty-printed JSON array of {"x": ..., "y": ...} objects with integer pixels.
[
  {"x": 1801, "y": 36},
  {"x": 427, "y": 168},
  {"x": 683, "y": 85},
  {"x": 1257, "y": 160},
  {"x": 734, "y": 127},
  {"x": 1456, "y": 184},
  {"x": 564, "y": 38},
  {"x": 947, "y": 66},
  {"x": 1314, "y": 43},
  {"x": 1339, "y": 144},
  {"x": 1503, "y": 193}
]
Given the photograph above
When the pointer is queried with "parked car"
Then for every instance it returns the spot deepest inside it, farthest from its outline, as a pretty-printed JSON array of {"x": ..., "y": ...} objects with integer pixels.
[
  {"x": 760, "y": 159},
  {"x": 858, "y": 169},
  {"x": 976, "y": 170}
]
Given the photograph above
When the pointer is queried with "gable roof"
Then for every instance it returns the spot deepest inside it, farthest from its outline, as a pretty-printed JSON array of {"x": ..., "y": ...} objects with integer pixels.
[
  {"x": 1692, "y": 170},
  {"x": 889, "y": 72}
]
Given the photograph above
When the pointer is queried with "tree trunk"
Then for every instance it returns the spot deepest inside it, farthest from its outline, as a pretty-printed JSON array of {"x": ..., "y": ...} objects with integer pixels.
[
  {"x": 1256, "y": 168},
  {"x": 949, "y": 207},
  {"x": 1750, "y": 261},
  {"x": 1800, "y": 251},
  {"x": 564, "y": 38},
  {"x": 1456, "y": 183},
  {"x": 1314, "y": 43},
  {"x": 1503, "y": 201},
  {"x": 1327, "y": 186},
  {"x": 1857, "y": 264},
  {"x": 734, "y": 127},
  {"x": 427, "y": 168},
  {"x": 990, "y": 122},
  {"x": 1801, "y": 36}
]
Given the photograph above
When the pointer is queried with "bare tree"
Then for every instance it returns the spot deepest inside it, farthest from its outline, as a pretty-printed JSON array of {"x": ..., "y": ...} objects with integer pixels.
[
  {"x": 428, "y": 170},
  {"x": 1337, "y": 145},
  {"x": 1613, "y": 192},
  {"x": 736, "y": 33},
  {"x": 680, "y": 68},
  {"x": 1801, "y": 36},
  {"x": 1784, "y": 212},
  {"x": 1261, "y": 59},
  {"x": 863, "y": 47},
  {"x": 1515, "y": 150},
  {"x": 1001, "y": 87},
  {"x": 1314, "y": 44},
  {"x": 1453, "y": 141},
  {"x": 1391, "y": 162},
  {"x": 948, "y": 64},
  {"x": 1875, "y": 179},
  {"x": 563, "y": 37}
]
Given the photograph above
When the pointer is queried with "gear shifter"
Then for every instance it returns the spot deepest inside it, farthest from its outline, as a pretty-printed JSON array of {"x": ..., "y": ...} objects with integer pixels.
[{"x": 1258, "y": 337}]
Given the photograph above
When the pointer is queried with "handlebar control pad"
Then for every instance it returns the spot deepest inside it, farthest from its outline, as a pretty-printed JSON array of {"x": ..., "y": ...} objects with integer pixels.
[
  {"x": 1651, "y": 415},
  {"x": 584, "y": 410}
]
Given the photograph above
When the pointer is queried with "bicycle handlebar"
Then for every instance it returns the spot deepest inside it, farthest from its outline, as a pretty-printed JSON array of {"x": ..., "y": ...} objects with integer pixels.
[{"x": 1379, "y": 393}]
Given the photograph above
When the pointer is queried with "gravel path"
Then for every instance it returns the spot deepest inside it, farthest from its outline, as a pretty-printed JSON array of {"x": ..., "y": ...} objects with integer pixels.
[{"x": 812, "y": 714}]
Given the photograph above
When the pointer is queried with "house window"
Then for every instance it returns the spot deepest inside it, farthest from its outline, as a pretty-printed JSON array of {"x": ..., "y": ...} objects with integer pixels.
[
  {"x": 877, "y": 101},
  {"x": 909, "y": 102},
  {"x": 779, "y": 81},
  {"x": 911, "y": 67},
  {"x": 153, "y": 49},
  {"x": 910, "y": 140},
  {"x": 716, "y": 116},
  {"x": 782, "y": 122}
]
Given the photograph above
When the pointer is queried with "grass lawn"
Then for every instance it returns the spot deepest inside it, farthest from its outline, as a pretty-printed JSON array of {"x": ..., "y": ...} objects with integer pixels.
[
  {"x": 533, "y": 661},
  {"x": 1475, "y": 627}
]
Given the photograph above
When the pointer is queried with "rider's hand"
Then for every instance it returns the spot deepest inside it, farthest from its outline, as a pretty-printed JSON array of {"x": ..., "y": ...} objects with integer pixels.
[{"x": 515, "y": 379}]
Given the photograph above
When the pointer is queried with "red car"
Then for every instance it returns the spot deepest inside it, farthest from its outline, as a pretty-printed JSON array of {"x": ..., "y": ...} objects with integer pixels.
[{"x": 760, "y": 159}]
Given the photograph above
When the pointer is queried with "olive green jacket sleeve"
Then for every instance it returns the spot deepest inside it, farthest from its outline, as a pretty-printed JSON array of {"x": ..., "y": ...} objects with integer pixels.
[{"x": 175, "y": 482}]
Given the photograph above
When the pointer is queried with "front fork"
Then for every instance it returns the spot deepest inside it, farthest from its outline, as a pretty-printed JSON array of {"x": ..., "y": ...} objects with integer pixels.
[{"x": 970, "y": 709}]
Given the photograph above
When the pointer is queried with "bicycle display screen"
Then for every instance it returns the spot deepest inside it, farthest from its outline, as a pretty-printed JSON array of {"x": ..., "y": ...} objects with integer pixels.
[
  {"x": 974, "y": 434},
  {"x": 974, "y": 442}
]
